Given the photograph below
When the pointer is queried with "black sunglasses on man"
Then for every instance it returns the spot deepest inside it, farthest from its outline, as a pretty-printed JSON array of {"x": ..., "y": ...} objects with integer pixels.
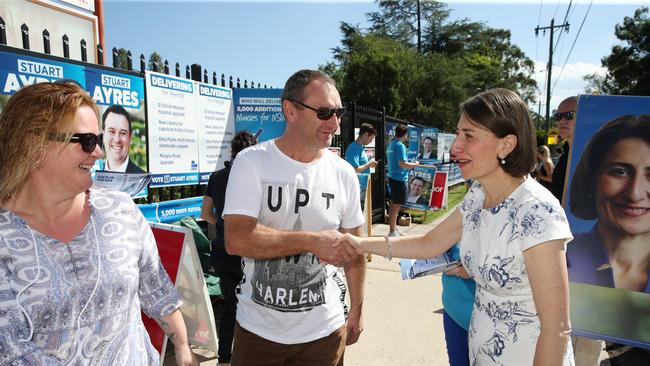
[
  {"x": 322, "y": 113},
  {"x": 557, "y": 117}
]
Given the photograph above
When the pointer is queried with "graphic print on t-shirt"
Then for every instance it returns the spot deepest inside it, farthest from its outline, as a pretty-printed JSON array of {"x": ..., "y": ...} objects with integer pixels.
[{"x": 294, "y": 283}]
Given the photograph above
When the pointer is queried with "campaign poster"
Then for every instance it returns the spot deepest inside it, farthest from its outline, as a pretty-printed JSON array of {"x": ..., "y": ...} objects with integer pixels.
[
  {"x": 444, "y": 155},
  {"x": 172, "y": 130},
  {"x": 120, "y": 100},
  {"x": 216, "y": 126},
  {"x": 413, "y": 145},
  {"x": 439, "y": 191},
  {"x": 18, "y": 69},
  {"x": 179, "y": 257},
  {"x": 259, "y": 111},
  {"x": 389, "y": 132},
  {"x": 428, "y": 146},
  {"x": 124, "y": 141},
  {"x": 420, "y": 183},
  {"x": 444, "y": 145},
  {"x": 607, "y": 201}
]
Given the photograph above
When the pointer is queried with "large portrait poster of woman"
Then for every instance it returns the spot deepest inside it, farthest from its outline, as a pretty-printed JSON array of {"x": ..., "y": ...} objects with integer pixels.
[{"x": 608, "y": 207}]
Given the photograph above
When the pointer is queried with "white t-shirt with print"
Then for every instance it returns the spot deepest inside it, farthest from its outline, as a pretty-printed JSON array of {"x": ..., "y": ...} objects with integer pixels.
[{"x": 292, "y": 299}]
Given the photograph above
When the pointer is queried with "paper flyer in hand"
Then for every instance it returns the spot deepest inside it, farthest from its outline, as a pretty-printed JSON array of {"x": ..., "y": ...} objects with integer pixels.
[{"x": 414, "y": 268}]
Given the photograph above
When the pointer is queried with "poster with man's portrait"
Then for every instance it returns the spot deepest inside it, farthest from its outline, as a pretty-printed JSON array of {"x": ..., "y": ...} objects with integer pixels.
[
  {"x": 608, "y": 206},
  {"x": 428, "y": 149},
  {"x": 420, "y": 182},
  {"x": 120, "y": 100}
]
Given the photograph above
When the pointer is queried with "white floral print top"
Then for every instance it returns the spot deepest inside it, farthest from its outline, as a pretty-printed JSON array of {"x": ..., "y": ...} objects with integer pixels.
[
  {"x": 505, "y": 324},
  {"x": 132, "y": 278}
]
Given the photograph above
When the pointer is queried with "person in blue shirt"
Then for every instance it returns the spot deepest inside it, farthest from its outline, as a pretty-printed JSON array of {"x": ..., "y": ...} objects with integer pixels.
[
  {"x": 355, "y": 154},
  {"x": 398, "y": 171},
  {"x": 457, "y": 300}
]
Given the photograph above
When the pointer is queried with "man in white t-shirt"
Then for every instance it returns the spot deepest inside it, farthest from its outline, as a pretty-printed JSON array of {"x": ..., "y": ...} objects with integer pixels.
[{"x": 288, "y": 200}]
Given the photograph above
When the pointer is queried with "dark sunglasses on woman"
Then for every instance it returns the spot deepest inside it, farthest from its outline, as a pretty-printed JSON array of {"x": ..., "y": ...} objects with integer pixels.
[
  {"x": 557, "y": 117},
  {"x": 323, "y": 113},
  {"x": 88, "y": 141}
]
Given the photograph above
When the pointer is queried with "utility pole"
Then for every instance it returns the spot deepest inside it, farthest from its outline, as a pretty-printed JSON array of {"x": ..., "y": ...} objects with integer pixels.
[
  {"x": 550, "y": 66},
  {"x": 419, "y": 31}
]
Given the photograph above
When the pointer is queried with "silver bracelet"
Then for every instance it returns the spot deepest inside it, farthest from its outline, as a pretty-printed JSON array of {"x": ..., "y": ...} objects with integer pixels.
[{"x": 390, "y": 248}]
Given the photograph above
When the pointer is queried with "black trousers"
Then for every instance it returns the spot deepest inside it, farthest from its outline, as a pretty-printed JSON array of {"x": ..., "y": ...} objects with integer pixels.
[{"x": 229, "y": 278}]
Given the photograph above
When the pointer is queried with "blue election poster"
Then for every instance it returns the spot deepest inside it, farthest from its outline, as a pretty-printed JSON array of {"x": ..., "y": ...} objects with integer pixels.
[
  {"x": 107, "y": 88},
  {"x": 413, "y": 143},
  {"x": 172, "y": 130},
  {"x": 428, "y": 149},
  {"x": 120, "y": 99},
  {"x": 607, "y": 202},
  {"x": 259, "y": 111},
  {"x": 420, "y": 183},
  {"x": 18, "y": 70}
]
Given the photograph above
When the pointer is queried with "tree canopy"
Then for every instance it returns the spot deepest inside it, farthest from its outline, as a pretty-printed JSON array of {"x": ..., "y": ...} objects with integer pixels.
[
  {"x": 628, "y": 66},
  {"x": 382, "y": 65}
]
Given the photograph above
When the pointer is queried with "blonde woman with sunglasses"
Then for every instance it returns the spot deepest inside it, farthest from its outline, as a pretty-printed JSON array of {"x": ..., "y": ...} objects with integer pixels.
[{"x": 77, "y": 264}]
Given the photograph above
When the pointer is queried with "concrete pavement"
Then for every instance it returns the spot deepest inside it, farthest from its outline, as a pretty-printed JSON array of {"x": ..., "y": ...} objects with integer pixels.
[{"x": 402, "y": 319}]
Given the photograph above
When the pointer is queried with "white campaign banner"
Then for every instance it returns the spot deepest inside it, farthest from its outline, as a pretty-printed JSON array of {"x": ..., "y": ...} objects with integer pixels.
[
  {"x": 216, "y": 126},
  {"x": 172, "y": 130}
]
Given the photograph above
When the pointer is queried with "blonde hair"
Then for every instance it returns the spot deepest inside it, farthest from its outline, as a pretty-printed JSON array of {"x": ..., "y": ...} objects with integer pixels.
[
  {"x": 30, "y": 118},
  {"x": 546, "y": 153}
]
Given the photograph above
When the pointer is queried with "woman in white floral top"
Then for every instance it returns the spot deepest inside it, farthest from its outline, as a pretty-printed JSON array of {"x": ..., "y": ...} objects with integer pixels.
[
  {"x": 77, "y": 264},
  {"x": 512, "y": 233}
]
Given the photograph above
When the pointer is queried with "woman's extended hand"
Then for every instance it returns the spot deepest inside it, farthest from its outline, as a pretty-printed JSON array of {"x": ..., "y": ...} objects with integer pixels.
[{"x": 353, "y": 242}]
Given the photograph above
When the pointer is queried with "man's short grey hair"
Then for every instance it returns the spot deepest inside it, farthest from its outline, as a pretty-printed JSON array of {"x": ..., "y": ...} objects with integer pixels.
[{"x": 294, "y": 89}]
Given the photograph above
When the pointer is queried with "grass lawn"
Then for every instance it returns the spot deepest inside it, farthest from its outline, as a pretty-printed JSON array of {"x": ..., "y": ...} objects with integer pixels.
[{"x": 455, "y": 195}]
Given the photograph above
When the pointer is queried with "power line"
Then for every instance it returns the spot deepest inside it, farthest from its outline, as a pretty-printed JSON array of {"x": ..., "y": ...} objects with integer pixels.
[
  {"x": 558, "y": 42},
  {"x": 539, "y": 18},
  {"x": 574, "y": 43},
  {"x": 557, "y": 7},
  {"x": 549, "y": 66}
]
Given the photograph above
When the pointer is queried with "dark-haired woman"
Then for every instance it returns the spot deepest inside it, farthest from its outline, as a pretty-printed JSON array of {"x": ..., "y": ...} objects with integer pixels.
[{"x": 512, "y": 234}]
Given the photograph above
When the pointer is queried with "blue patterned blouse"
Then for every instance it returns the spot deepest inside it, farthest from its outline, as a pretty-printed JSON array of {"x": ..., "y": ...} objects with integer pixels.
[
  {"x": 505, "y": 323},
  {"x": 129, "y": 277}
]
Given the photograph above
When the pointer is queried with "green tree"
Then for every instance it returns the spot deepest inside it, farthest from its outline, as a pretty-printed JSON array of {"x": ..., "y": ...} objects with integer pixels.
[
  {"x": 122, "y": 55},
  {"x": 381, "y": 66},
  {"x": 398, "y": 19},
  {"x": 375, "y": 70},
  {"x": 157, "y": 59},
  {"x": 628, "y": 66}
]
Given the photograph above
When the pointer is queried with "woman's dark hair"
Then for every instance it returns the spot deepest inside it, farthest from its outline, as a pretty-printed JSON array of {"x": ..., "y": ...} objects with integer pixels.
[
  {"x": 583, "y": 184},
  {"x": 503, "y": 113},
  {"x": 242, "y": 140}
]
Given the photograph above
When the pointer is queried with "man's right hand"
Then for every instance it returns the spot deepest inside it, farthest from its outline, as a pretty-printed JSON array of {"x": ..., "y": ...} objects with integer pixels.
[
  {"x": 372, "y": 163},
  {"x": 328, "y": 253}
]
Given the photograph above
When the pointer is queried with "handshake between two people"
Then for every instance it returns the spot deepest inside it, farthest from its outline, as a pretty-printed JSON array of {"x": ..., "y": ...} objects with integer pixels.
[{"x": 337, "y": 249}]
